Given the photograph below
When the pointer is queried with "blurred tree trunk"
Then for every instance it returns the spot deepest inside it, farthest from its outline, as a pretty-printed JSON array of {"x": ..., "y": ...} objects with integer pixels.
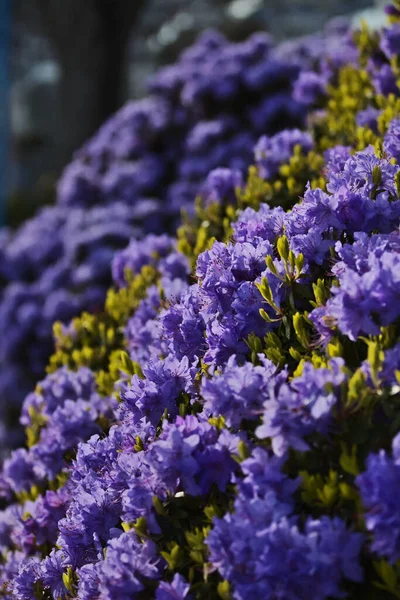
[{"x": 90, "y": 39}]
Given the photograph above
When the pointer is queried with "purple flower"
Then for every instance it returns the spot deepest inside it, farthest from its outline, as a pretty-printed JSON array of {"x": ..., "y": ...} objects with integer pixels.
[
  {"x": 188, "y": 456},
  {"x": 390, "y": 41},
  {"x": 318, "y": 212},
  {"x": 140, "y": 253},
  {"x": 312, "y": 246},
  {"x": 248, "y": 261},
  {"x": 294, "y": 411},
  {"x": 369, "y": 288},
  {"x": 272, "y": 108},
  {"x": 335, "y": 159},
  {"x": 127, "y": 564},
  {"x": 250, "y": 547},
  {"x": 392, "y": 11},
  {"x": 52, "y": 569},
  {"x": 239, "y": 392},
  {"x": 383, "y": 78},
  {"x": 178, "y": 589},
  {"x": 391, "y": 143},
  {"x": 254, "y": 558},
  {"x": 175, "y": 266},
  {"x": 88, "y": 582},
  {"x": 272, "y": 152},
  {"x": 309, "y": 87},
  {"x": 23, "y": 585},
  {"x": 165, "y": 380},
  {"x": 368, "y": 118},
  {"x": 80, "y": 184},
  {"x": 379, "y": 487},
  {"x": 184, "y": 326},
  {"x": 265, "y": 224},
  {"x": 143, "y": 330},
  {"x": 220, "y": 186},
  {"x": 357, "y": 174},
  {"x": 18, "y": 471},
  {"x": 59, "y": 386},
  {"x": 173, "y": 460},
  {"x": 224, "y": 339}
]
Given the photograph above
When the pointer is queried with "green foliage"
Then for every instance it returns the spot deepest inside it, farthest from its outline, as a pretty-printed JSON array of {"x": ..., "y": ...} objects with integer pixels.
[
  {"x": 121, "y": 303},
  {"x": 389, "y": 577},
  {"x": 209, "y": 223},
  {"x": 213, "y": 222},
  {"x": 352, "y": 93},
  {"x": 97, "y": 341}
]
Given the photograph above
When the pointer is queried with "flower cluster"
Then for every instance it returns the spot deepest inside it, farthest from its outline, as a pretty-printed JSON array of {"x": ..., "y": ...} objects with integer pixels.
[
  {"x": 227, "y": 425},
  {"x": 253, "y": 546},
  {"x": 144, "y": 166}
]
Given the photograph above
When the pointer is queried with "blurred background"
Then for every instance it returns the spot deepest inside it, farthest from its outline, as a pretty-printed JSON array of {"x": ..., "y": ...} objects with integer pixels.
[{"x": 66, "y": 65}]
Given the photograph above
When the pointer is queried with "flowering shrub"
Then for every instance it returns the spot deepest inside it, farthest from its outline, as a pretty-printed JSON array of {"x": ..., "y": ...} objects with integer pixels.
[
  {"x": 145, "y": 164},
  {"x": 226, "y": 426}
]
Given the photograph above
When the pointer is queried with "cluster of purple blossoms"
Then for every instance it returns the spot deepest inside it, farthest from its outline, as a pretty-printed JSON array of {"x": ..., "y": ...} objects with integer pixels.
[
  {"x": 109, "y": 484},
  {"x": 253, "y": 546},
  {"x": 247, "y": 457},
  {"x": 53, "y": 277},
  {"x": 145, "y": 165},
  {"x": 240, "y": 391},
  {"x": 270, "y": 153},
  {"x": 368, "y": 294},
  {"x": 379, "y": 487},
  {"x": 221, "y": 185},
  {"x": 65, "y": 410},
  {"x": 390, "y": 41},
  {"x": 391, "y": 144},
  {"x": 293, "y": 411}
]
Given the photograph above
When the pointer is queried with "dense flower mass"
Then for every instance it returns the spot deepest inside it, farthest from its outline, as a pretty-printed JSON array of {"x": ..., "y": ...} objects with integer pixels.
[
  {"x": 253, "y": 546},
  {"x": 225, "y": 425},
  {"x": 136, "y": 175}
]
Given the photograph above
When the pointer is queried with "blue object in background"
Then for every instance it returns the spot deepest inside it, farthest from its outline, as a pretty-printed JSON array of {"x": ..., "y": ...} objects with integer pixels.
[{"x": 5, "y": 39}]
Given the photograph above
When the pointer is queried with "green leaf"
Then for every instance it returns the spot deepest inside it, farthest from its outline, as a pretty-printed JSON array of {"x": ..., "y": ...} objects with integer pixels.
[
  {"x": 223, "y": 590},
  {"x": 348, "y": 462},
  {"x": 271, "y": 266},
  {"x": 299, "y": 325},
  {"x": 243, "y": 449},
  {"x": 265, "y": 290},
  {"x": 389, "y": 576},
  {"x": 158, "y": 505},
  {"x": 283, "y": 248}
]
